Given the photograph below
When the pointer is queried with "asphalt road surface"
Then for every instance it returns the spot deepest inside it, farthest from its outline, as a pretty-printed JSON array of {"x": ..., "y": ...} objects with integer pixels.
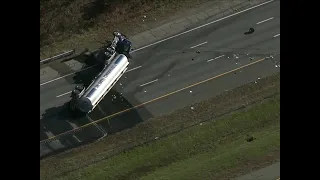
[
  {"x": 271, "y": 172},
  {"x": 157, "y": 72}
]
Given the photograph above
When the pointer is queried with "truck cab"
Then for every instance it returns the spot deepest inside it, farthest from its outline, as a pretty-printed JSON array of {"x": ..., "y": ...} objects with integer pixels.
[{"x": 119, "y": 45}]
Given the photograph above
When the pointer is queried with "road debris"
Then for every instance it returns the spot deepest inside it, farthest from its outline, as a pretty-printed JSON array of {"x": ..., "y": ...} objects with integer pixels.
[
  {"x": 114, "y": 97},
  {"x": 269, "y": 57}
]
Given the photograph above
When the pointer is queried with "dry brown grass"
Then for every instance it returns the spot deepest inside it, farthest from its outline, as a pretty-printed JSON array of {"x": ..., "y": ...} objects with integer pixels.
[{"x": 68, "y": 24}]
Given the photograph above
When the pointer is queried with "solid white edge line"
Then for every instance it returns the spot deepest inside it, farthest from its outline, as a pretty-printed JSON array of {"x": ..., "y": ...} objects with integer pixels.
[
  {"x": 80, "y": 71},
  {"x": 276, "y": 35},
  {"x": 190, "y": 30},
  {"x": 125, "y": 72},
  {"x": 198, "y": 45},
  {"x": 149, "y": 82},
  {"x": 217, "y": 20},
  {"x": 67, "y": 75},
  {"x": 265, "y": 20}
]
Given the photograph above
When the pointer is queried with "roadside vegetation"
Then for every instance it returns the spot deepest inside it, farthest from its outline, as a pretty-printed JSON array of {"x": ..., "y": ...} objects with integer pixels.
[
  {"x": 69, "y": 24},
  {"x": 220, "y": 138}
]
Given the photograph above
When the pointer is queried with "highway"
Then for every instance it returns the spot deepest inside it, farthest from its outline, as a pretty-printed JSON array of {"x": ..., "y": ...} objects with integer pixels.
[{"x": 158, "y": 76}]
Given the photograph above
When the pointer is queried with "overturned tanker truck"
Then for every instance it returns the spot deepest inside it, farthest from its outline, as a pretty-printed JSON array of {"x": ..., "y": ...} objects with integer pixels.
[{"x": 84, "y": 100}]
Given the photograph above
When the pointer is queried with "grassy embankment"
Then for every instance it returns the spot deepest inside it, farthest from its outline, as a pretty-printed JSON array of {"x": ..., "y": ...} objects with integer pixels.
[
  {"x": 196, "y": 144},
  {"x": 66, "y": 25}
]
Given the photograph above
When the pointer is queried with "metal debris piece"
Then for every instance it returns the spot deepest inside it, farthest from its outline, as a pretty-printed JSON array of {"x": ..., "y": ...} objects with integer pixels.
[
  {"x": 236, "y": 56},
  {"x": 190, "y": 91},
  {"x": 144, "y": 16},
  {"x": 192, "y": 108},
  {"x": 198, "y": 51},
  {"x": 269, "y": 57},
  {"x": 258, "y": 78},
  {"x": 251, "y": 58},
  {"x": 144, "y": 91},
  {"x": 255, "y": 82},
  {"x": 120, "y": 84},
  {"x": 156, "y": 138}
]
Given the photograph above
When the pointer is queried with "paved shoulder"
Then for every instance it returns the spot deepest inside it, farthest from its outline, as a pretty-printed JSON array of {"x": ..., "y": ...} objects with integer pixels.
[{"x": 271, "y": 172}]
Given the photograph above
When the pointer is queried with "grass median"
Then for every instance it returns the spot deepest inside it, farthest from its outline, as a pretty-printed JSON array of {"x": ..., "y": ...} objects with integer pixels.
[
  {"x": 203, "y": 151},
  {"x": 183, "y": 144}
]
